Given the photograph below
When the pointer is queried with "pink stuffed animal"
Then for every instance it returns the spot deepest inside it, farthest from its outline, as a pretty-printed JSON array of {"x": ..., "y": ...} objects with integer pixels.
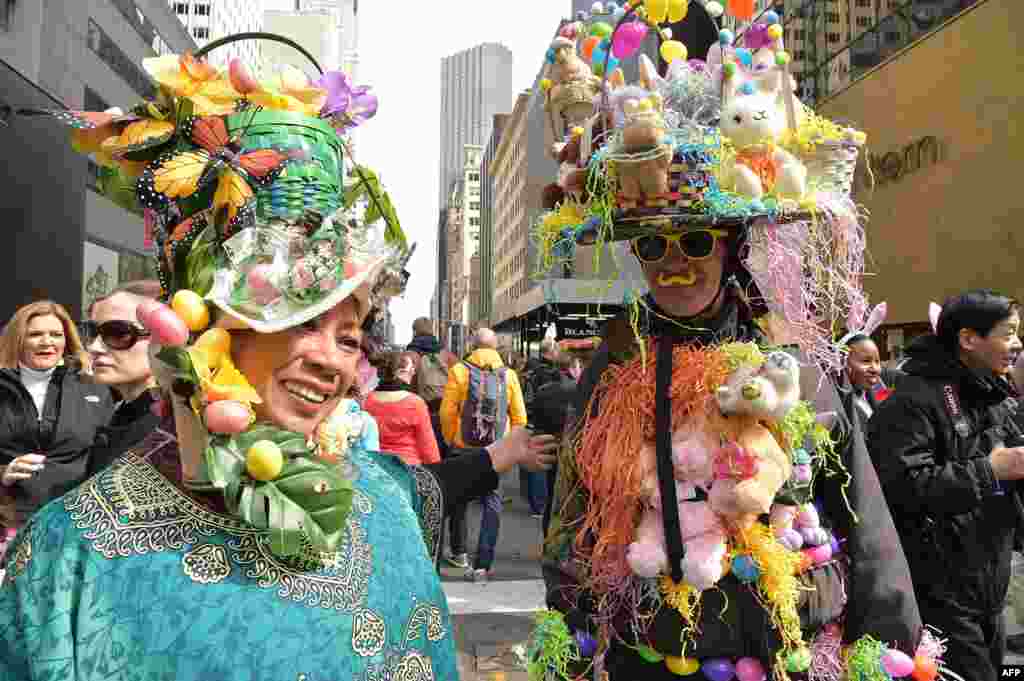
[{"x": 704, "y": 540}]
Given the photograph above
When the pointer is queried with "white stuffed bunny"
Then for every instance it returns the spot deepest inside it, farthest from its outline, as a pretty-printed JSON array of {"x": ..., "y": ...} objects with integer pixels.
[{"x": 755, "y": 123}]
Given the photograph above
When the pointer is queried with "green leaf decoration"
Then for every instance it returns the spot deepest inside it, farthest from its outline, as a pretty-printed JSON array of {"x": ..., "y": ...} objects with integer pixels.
[
  {"x": 289, "y": 442},
  {"x": 224, "y": 465},
  {"x": 116, "y": 186},
  {"x": 367, "y": 186},
  {"x": 178, "y": 359},
  {"x": 200, "y": 263},
  {"x": 308, "y": 498}
]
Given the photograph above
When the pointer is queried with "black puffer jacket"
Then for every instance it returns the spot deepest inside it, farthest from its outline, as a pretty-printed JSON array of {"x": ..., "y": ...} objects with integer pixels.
[
  {"x": 424, "y": 345},
  {"x": 930, "y": 442},
  {"x": 129, "y": 426},
  {"x": 72, "y": 412}
]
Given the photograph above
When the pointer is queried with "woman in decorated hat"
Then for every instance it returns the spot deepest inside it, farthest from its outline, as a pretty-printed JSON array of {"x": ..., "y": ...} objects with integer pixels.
[
  {"x": 715, "y": 515},
  {"x": 255, "y": 534}
]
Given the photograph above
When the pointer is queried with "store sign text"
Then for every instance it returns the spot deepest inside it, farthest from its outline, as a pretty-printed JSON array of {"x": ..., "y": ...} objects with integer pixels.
[{"x": 894, "y": 165}]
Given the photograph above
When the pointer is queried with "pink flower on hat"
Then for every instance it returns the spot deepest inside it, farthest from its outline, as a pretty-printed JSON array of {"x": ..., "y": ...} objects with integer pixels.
[{"x": 302, "y": 275}]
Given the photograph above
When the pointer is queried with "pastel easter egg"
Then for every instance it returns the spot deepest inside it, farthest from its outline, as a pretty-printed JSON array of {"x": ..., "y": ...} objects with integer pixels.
[
  {"x": 264, "y": 460},
  {"x": 819, "y": 554},
  {"x": 261, "y": 287},
  {"x": 192, "y": 309},
  {"x": 897, "y": 663},
  {"x": 791, "y": 539},
  {"x": 745, "y": 569},
  {"x": 227, "y": 417},
  {"x": 719, "y": 669},
  {"x": 166, "y": 327},
  {"x": 215, "y": 341},
  {"x": 925, "y": 669},
  {"x": 682, "y": 666},
  {"x": 750, "y": 669}
]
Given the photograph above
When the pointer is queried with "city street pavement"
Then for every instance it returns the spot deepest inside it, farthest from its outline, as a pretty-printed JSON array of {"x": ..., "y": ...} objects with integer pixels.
[{"x": 493, "y": 618}]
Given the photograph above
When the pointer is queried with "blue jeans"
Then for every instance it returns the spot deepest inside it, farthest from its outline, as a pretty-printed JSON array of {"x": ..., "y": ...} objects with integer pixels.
[
  {"x": 536, "y": 492},
  {"x": 490, "y": 524}
]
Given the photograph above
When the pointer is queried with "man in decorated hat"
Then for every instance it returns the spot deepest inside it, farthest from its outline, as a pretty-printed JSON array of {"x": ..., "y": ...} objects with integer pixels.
[
  {"x": 714, "y": 510},
  {"x": 256, "y": 533}
]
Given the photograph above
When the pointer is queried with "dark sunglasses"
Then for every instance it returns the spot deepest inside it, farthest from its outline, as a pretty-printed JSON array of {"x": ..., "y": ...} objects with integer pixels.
[
  {"x": 696, "y": 245},
  {"x": 117, "y": 334}
]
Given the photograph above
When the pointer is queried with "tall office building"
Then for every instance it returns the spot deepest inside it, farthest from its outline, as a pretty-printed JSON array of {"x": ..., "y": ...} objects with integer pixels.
[
  {"x": 474, "y": 87},
  {"x": 208, "y": 20},
  {"x": 485, "y": 303},
  {"x": 346, "y": 15}
]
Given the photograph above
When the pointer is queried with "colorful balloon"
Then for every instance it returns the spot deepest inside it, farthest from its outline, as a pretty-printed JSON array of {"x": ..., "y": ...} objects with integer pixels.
[
  {"x": 750, "y": 669},
  {"x": 677, "y": 10},
  {"x": 741, "y": 9},
  {"x": 597, "y": 8},
  {"x": 725, "y": 37},
  {"x": 587, "y": 51},
  {"x": 672, "y": 50},
  {"x": 628, "y": 39},
  {"x": 719, "y": 669},
  {"x": 714, "y": 9},
  {"x": 601, "y": 29},
  {"x": 770, "y": 17},
  {"x": 782, "y": 58},
  {"x": 775, "y": 31}
]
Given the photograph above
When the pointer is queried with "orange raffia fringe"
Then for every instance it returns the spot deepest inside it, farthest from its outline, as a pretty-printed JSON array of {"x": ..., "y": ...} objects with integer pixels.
[{"x": 608, "y": 450}]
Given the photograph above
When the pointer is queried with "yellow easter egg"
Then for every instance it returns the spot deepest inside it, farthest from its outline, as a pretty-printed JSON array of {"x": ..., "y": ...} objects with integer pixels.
[
  {"x": 672, "y": 50},
  {"x": 682, "y": 666},
  {"x": 264, "y": 460},
  {"x": 192, "y": 309},
  {"x": 216, "y": 342},
  {"x": 775, "y": 31}
]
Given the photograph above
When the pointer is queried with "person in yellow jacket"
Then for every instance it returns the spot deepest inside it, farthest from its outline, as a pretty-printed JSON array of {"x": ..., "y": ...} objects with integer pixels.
[{"x": 456, "y": 391}]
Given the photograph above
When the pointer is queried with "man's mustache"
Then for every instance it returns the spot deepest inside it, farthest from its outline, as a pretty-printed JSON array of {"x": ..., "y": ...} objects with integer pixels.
[{"x": 688, "y": 279}]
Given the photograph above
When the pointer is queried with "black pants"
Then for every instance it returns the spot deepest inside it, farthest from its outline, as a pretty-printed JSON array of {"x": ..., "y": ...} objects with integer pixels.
[{"x": 975, "y": 643}]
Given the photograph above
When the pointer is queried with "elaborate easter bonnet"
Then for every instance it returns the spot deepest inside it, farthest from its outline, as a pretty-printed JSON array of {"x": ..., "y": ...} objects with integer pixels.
[
  {"x": 719, "y": 143},
  {"x": 258, "y": 220}
]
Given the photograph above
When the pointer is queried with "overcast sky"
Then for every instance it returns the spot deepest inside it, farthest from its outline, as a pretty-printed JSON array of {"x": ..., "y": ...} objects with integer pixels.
[{"x": 401, "y": 43}]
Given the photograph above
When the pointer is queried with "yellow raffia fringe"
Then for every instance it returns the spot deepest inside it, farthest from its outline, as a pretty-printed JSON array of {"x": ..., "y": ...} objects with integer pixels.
[
  {"x": 740, "y": 354},
  {"x": 778, "y": 587}
]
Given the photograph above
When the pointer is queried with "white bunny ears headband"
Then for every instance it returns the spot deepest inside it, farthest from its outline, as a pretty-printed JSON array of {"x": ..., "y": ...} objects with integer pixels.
[{"x": 874, "y": 321}]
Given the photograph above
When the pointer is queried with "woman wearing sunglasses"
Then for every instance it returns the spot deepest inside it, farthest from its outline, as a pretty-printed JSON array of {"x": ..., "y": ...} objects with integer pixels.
[
  {"x": 49, "y": 412},
  {"x": 119, "y": 349}
]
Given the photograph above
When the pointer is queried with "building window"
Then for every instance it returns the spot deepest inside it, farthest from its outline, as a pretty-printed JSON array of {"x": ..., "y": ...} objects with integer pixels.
[
  {"x": 474, "y": 222},
  {"x": 864, "y": 3},
  {"x": 474, "y": 205},
  {"x": 202, "y": 10},
  {"x": 181, "y": 8},
  {"x": 6, "y": 14},
  {"x": 201, "y": 32},
  {"x": 863, "y": 22},
  {"x": 832, "y": 37},
  {"x": 108, "y": 51},
  {"x": 892, "y": 36},
  {"x": 474, "y": 177},
  {"x": 832, "y": 17}
]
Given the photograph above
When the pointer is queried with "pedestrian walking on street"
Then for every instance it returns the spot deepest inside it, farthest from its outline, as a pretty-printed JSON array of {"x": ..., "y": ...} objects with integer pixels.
[
  {"x": 402, "y": 416},
  {"x": 481, "y": 401},
  {"x": 949, "y": 454},
  {"x": 539, "y": 373}
]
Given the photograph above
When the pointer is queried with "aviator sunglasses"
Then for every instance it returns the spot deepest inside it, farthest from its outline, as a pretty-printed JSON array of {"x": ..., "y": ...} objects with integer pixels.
[
  {"x": 696, "y": 245},
  {"x": 117, "y": 334}
]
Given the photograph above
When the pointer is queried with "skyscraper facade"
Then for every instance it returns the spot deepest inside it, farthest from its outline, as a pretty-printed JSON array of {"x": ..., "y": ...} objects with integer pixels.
[
  {"x": 474, "y": 87},
  {"x": 208, "y": 20}
]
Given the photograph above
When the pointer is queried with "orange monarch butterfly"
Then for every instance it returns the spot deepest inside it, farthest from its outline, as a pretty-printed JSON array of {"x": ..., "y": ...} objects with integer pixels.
[
  {"x": 180, "y": 174},
  {"x": 178, "y": 241}
]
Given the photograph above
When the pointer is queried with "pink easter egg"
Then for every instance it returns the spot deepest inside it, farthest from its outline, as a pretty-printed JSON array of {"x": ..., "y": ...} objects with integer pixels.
[
  {"x": 160, "y": 409},
  {"x": 802, "y": 473},
  {"x": 819, "y": 554},
  {"x": 227, "y": 416},
  {"x": 897, "y": 663},
  {"x": 750, "y": 669},
  {"x": 261, "y": 289},
  {"x": 166, "y": 327},
  {"x": 807, "y": 517}
]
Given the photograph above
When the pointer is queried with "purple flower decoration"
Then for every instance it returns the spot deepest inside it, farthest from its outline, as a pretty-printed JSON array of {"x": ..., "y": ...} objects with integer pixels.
[
  {"x": 346, "y": 106},
  {"x": 756, "y": 37}
]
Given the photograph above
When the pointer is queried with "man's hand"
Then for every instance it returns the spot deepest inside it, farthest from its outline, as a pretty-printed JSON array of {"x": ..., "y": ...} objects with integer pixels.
[
  {"x": 1007, "y": 463},
  {"x": 521, "y": 446}
]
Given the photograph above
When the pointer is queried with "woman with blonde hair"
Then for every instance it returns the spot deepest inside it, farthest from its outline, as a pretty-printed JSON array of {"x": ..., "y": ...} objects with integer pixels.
[{"x": 49, "y": 412}]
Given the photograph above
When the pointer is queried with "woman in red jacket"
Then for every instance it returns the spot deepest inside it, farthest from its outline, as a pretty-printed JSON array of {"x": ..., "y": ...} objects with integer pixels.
[{"x": 401, "y": 415}]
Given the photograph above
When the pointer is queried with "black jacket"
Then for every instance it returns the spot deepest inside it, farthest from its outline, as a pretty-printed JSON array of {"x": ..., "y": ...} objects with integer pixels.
[
  {"x": 930, "y": 442},
  {"x": 424, "y": 345},
  {"x": 881, "y": 601},
  {"x": 72, "y": 412},
  {"x": 130, "y": 424}
]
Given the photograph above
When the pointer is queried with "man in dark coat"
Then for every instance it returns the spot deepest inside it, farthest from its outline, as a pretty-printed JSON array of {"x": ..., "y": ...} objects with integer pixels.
[
  {"x": 946, "y": 448},
  {"x": 697, "y": 300}
]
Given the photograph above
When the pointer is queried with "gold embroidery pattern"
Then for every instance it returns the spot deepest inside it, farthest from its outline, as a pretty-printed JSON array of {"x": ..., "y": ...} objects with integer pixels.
[
  {"x": 431, "y": 512},
  {"x": 132, "y": 509},
  {"x": 22, "y": 555},
  {"x": 425, "y": 619},
  {"x": 207, "y": 564},
  {"x": 369, "y": 633},
  {"x": 414, "y": 666}
]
